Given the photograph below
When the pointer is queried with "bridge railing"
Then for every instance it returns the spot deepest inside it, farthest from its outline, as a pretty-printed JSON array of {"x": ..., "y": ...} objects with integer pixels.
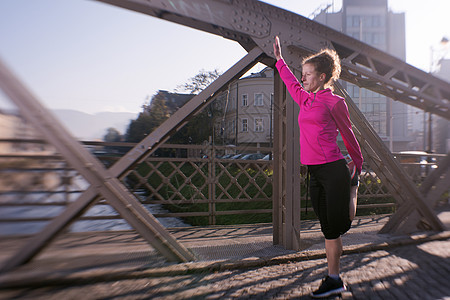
[{"x": 195, "y": 183}]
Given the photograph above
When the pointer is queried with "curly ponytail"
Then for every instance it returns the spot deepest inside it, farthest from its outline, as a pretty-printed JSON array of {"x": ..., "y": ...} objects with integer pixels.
[{"x": 326, "y": 61}]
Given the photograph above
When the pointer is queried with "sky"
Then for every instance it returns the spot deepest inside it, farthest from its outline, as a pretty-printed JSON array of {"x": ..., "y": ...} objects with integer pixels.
[{"x": 93, "y": 57}]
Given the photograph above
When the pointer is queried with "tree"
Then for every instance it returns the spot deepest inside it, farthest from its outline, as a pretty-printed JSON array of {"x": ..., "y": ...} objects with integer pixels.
[
  {"x": 112, "y": 135},
  {"x": 153, "y": 115},
  {"x": 199, "y": 127},
  {"x": 163, "y": 104},
  {"x": 139, "y": 128},
  {"x": 200, "y": 81}
]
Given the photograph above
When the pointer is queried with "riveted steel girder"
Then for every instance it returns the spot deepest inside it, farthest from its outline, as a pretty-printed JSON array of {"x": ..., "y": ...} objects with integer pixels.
[{"x": 251, "y": 22}]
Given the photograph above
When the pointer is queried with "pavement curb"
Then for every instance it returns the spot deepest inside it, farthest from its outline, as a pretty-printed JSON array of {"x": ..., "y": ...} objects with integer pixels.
[{"x": 14, "y": 280}]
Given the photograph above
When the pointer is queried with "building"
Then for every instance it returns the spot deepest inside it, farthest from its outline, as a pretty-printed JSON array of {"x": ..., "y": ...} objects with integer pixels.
[
  {"x": 440, "y": 142},
  {"x": 14, "y": 130},
  {"x": 247, "y": 118},
  {"x": 371, "y": 22},
  {"x": 439, "y": 139},
  {"x": 170, "y": 102}
]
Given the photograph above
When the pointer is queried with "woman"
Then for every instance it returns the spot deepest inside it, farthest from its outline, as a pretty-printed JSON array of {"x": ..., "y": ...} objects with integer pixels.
[{"x": 322, "y": 115}]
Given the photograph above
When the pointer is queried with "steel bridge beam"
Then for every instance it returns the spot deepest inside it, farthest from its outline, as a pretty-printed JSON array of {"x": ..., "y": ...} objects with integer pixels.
[
  {"x": 250, "y": 23},
  {"x": 286, "y": 213}
]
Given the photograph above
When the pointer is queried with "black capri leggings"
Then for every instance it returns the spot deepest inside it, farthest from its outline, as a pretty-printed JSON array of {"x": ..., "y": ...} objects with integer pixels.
[{"x": 330, "y": 196}]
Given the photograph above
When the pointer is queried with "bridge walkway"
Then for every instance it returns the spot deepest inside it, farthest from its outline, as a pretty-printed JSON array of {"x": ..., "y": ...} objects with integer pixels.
[{"x": 91, "y": 262}]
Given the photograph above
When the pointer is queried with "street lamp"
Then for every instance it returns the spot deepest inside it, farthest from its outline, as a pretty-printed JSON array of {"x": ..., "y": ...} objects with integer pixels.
[{"x": 440, "y": 52}]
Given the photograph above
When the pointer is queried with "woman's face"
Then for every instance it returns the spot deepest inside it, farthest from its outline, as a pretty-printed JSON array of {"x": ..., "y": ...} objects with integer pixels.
[{"x": 312, "y": 80}]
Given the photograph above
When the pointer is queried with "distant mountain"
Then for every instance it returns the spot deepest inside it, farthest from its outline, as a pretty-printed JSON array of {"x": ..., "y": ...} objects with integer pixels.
[{"x": 85, "y": 126}]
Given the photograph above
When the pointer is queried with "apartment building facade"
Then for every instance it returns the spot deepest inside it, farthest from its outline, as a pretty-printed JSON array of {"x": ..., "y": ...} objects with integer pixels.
[
  {"x": 13, "y": 130},
  {"x": 248, "y": 111}
]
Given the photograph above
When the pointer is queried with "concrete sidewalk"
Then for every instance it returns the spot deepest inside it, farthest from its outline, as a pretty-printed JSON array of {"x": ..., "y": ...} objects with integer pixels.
[{"x": 233, "y": 262}]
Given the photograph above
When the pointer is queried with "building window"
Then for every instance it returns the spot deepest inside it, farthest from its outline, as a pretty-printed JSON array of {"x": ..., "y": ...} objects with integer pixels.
[
  {"x": 377, "y": 126},
  {"x": 354, "y": 35},
  {"x": 378, "y": 38},
  {"x": 259, "y": 99},
  {"x": 231, "y": 103},
  {"x": 259, "y": 125},
  {"x": 376, "y": 108},
  {"x": 376, "y": 21},
  {"x": 353, "y": 90},
  {"x": 244, "y": 100},
  {"x": 244, "y": 125},
  {"x": 373, "y": 21},
  {"x": 356, "y": 21},
  {"x": 353, "y": 21},
  {"x": 231, "y": 128},
  {"x": 367, "y": 38}
]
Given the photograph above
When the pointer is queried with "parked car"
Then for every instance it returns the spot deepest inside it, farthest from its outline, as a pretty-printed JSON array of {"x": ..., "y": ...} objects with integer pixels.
[
  {"x": 267, "y": 157},
  {"x": 253, "y": 156},
  {"x": 413, "y": 159},
  {"x": 419, "y": 157},
  {"x": 238, "y": 156}
]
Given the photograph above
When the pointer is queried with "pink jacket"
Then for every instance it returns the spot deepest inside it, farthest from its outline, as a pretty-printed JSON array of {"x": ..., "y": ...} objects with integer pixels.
[{"x": 321, "y": 115}]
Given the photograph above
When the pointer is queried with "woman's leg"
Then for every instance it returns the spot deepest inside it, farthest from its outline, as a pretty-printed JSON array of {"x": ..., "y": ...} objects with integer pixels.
[
  {"x": 353, "y": 201},
  {"x": 333, "y": 250},
  {"x": 330, "y": 194}
]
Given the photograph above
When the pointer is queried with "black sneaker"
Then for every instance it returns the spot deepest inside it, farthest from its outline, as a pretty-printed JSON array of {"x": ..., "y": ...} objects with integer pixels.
[{"x": 329, "y": 287}]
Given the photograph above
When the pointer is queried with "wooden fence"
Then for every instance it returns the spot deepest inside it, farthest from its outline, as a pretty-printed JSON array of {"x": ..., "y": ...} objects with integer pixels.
[{"x": 180, "y": 181}]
